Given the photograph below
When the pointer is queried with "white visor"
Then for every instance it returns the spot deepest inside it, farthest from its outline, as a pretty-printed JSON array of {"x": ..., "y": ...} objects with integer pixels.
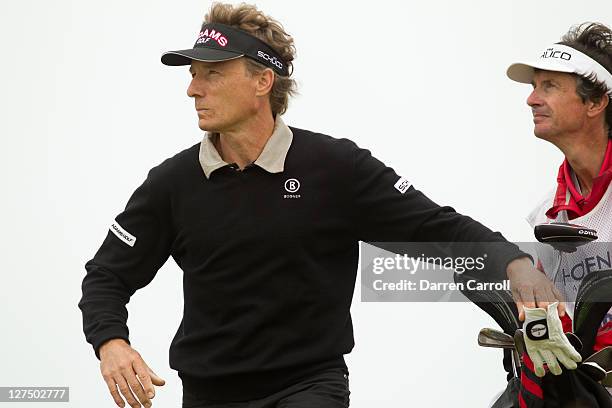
[{"x": 561, "y": 58}]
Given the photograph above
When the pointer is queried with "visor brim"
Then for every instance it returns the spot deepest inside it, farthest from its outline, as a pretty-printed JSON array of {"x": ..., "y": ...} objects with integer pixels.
[
  {"x": 184, "y": 57},
  {"x": 523, "y": 71}
]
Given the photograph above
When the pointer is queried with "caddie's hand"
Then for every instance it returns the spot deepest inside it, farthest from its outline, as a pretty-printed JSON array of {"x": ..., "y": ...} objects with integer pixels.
[
  {"x": 123, "y": 367},
  {"x": 545, "y": 341},
  {"x": 531, "y": 288}
]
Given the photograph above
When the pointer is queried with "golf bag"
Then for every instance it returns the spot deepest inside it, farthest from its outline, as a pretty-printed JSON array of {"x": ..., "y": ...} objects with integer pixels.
[{"x": 573, "y": 388}]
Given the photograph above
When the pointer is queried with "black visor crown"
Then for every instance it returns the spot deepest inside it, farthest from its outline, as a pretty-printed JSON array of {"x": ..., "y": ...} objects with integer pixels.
[{"x": 219, "y": 42}]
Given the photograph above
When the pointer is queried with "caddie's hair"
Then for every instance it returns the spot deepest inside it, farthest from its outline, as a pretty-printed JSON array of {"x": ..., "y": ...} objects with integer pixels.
[
  {"x": 248, "y": 18},
  {"x": 594, "y": 40}
]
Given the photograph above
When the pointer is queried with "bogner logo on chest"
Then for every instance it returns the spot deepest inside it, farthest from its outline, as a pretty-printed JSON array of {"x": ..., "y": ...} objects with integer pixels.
[{"x": 292, "y": 186}]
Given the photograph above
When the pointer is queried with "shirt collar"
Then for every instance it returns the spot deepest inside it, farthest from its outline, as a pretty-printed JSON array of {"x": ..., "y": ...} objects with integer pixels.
[
  {"x": 569, "y": 196},
  {"x": 271, "y": 159}
]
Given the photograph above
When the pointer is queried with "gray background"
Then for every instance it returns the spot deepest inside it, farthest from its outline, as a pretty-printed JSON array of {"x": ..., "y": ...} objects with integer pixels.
[{"x": 87, "y": 109}]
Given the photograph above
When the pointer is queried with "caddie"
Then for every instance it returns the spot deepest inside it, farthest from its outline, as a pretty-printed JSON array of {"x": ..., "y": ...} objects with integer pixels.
[{"x": 570, "y": 104}]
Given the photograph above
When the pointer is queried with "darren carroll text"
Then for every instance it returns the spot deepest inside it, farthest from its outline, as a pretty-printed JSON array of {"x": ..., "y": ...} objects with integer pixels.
[{"x": 424, "y": 284}]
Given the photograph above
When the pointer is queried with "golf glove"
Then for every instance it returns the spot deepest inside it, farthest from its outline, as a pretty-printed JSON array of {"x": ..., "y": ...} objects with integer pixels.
[{"x": 545, "y": 341}]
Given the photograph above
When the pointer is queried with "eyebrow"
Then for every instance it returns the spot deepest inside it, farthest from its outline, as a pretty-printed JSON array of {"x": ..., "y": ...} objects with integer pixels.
[
  {"x": 205, "y": 66},
  {"x": 544, "y": 82}
]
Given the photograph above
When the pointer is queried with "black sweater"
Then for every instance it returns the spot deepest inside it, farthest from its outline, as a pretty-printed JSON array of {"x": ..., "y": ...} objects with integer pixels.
[{"x": 268, "y": 274}]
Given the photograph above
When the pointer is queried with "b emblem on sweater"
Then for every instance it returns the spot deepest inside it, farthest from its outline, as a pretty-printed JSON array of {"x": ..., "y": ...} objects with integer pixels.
[{"x": 292, "y": 186}]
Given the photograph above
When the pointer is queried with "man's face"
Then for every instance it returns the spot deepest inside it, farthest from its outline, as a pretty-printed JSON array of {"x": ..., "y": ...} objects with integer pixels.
[
  {"x": 557, "y": 109},
  {"x": 225, "y": 94}
]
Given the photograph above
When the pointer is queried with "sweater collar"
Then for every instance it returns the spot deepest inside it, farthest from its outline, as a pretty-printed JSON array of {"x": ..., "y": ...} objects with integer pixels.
[{"x": 271, "y": 159}]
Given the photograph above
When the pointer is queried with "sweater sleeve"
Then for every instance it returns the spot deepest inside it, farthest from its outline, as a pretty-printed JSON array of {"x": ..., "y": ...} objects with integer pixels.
[
  {"x": 387, "y": 208},
  {"x": 136, "y": 246}
]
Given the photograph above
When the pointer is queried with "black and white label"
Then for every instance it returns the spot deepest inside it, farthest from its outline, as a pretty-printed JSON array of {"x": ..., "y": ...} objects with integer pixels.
[
  {"x": 122, "y": 234},
  {"x": 537, "y": 330},
  {"x": 402, "y": 185}
]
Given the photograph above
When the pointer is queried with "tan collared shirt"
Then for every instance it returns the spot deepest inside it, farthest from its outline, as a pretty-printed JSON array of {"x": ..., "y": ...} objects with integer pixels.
[{"x": 271, "y": 159}]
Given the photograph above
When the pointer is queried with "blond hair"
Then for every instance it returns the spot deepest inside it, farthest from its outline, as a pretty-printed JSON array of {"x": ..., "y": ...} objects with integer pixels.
[{"x": 248, "y": 18}]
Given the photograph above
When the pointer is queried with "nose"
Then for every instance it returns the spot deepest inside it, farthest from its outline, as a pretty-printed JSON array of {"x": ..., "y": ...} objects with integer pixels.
[
  {"x": 195, "y": 88},
  {"x": 534, "y": 99}
]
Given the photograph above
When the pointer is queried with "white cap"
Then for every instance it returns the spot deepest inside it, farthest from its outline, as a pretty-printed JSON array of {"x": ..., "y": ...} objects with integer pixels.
[{"x": 561, "y": 58}]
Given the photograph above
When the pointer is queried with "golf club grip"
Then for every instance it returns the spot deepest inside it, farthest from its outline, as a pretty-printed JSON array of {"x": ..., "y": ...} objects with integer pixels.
[{"x": 498, "y": 304}]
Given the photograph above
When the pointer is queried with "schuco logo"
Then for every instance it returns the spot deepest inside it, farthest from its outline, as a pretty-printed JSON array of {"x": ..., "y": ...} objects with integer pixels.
[
  {"x": 270, "y": 59},
  {"x": 552, "y": 53}
]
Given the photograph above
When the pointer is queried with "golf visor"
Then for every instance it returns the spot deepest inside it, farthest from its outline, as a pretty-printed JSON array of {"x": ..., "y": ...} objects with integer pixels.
[
  {"x": 561, "y": 58},
  {"x": 219, "y": 42}
]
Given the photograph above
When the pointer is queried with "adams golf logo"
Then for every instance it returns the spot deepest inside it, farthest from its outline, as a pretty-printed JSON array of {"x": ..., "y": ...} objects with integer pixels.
[
  {"x": 206, "y": 35},
  {"x": 122, "y": 234}
]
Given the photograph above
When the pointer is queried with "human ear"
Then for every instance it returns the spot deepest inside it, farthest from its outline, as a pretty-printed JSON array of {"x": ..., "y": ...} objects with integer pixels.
[
  {"x": 597, "y": 106},
  {"x": 265, "y": 82}
]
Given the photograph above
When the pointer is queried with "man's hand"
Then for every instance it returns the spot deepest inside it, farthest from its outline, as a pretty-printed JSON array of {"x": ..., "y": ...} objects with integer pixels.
[
  {"x": 123, "y": 366},
  {"x": 531, "y": 288}
]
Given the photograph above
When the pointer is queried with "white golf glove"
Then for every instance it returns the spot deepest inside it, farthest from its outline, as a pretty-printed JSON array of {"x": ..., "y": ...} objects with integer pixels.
[{"x": 545, "y": 341}]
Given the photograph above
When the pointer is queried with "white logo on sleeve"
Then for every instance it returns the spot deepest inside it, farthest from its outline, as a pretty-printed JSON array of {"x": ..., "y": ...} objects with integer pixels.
[
  {"x": 122, "y": 234},
  {"x": 402, "y": 185}
]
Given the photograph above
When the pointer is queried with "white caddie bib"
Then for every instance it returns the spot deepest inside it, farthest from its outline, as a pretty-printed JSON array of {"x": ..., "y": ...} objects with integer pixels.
[{"x": 568, "y": 269}]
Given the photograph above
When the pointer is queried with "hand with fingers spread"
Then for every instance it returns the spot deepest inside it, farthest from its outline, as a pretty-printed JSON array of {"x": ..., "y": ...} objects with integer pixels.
[
  {"x": 546, "y": 343},
  {"x": 122, "y": 367},
  {"x": 531, "y": 288}
]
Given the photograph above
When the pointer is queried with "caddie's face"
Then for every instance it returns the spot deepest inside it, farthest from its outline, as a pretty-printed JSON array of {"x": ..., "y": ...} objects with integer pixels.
[
  {"x": 224, "y": 94},
  {"x": 557, "y": 109}
]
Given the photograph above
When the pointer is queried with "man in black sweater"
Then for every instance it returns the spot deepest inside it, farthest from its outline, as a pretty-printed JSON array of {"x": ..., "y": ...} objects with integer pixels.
[{"x": 265, "y": 221}]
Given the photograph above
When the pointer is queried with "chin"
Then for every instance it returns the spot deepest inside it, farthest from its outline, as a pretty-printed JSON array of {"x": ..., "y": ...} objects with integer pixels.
[
  {"x": 206, "y": 126},
  {"x": 543, "y": 134},
  {"x": 539, "y": 130}
]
